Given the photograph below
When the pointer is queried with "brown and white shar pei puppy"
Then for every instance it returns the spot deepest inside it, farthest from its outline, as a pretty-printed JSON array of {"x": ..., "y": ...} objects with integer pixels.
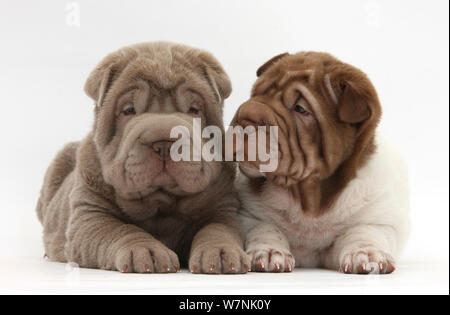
[
  {"x": 339, "y": 196},
  {"x": 116, "y": 200}
]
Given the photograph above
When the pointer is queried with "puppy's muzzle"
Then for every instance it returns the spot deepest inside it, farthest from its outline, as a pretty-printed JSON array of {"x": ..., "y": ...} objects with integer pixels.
[
  {"x": 160, "y": 147},
  {"x": 272, "y": 112},
  {"x": 255, "y": 113},
  {"x": 153, "y": 132}
]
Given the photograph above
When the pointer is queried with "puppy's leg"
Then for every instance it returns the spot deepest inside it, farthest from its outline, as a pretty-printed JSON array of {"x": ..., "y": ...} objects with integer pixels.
[
  {"x": 363, "y": 249},
  {"x": 269, "y": 249},
  {"x": 97, "y": 239},
  {"x": 218, "y": 248}
]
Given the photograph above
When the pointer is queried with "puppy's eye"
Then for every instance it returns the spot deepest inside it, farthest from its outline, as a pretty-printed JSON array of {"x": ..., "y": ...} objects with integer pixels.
[
  {"x": 129, "y": 111},
  {"x": 300, "y": 109},
  {"x": 193, "y": 110}
]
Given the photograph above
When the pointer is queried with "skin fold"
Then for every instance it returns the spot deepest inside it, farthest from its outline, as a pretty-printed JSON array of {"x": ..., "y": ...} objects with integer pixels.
[
  {"x": 116, "y": 200},
  {"x": 339, "y": 196}
]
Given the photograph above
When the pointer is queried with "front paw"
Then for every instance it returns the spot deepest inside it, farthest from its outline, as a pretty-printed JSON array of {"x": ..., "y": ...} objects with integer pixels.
[
  {"x": 367, "y": 261},
  {"x": 271, "y": 260},
  {"x": 146, "y": 257},
  {"x": 219, "y": 258}
]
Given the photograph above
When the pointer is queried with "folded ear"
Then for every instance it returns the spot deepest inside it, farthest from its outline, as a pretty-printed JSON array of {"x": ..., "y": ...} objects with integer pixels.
[
  {"x": 269, "y": 64},
  {"x": 216, "y": 76},
  {"x": 101, "y": 78},
  {"x": 353, "y": 105},
  {"x": 355, "y": 96}
]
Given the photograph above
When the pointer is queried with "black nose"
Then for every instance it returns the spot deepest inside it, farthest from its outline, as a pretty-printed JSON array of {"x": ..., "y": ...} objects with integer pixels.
[{"x": 162, "y": 148}]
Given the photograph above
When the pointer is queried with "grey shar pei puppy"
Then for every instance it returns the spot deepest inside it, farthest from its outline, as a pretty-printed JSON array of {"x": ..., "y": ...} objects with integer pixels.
[{"x": 116, "y": 200}]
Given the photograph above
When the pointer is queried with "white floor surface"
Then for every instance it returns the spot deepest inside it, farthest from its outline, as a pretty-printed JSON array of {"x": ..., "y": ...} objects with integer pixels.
[{"x": 38, "y": 276}]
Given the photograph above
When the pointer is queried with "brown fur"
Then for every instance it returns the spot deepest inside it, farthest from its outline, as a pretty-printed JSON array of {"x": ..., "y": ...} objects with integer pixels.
[
  {"x": 112, "y": 202},
  {"x": 320, "y": 152}
]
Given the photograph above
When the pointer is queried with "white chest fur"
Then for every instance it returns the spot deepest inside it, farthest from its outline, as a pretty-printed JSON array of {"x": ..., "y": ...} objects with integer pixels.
[{"x": 377, "y": 196}]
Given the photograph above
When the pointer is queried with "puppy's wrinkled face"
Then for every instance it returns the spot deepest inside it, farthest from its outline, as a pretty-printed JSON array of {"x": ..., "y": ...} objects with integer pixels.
[
  {"x": 144, "y": 98},
  {"x": 143, "y": 119},
  {"x": 321, "y": 107}
]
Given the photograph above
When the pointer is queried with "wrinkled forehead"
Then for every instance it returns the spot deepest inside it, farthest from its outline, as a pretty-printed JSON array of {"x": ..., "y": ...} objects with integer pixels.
[
  {"x": 309, "y": 68},
  {"x": 161, "y": 82},
  {"x": 162, "y": 75},
  {"x": 295, "y": 77}
]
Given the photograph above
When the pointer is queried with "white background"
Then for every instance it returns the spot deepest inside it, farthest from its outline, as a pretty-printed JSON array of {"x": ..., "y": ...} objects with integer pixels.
[{"x": 49, "y": 47}]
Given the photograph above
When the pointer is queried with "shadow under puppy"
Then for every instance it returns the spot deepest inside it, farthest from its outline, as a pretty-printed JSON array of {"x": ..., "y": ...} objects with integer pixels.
[
  {"x": 117, "y": 200},
  {"x": 339, "y": 196}
]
